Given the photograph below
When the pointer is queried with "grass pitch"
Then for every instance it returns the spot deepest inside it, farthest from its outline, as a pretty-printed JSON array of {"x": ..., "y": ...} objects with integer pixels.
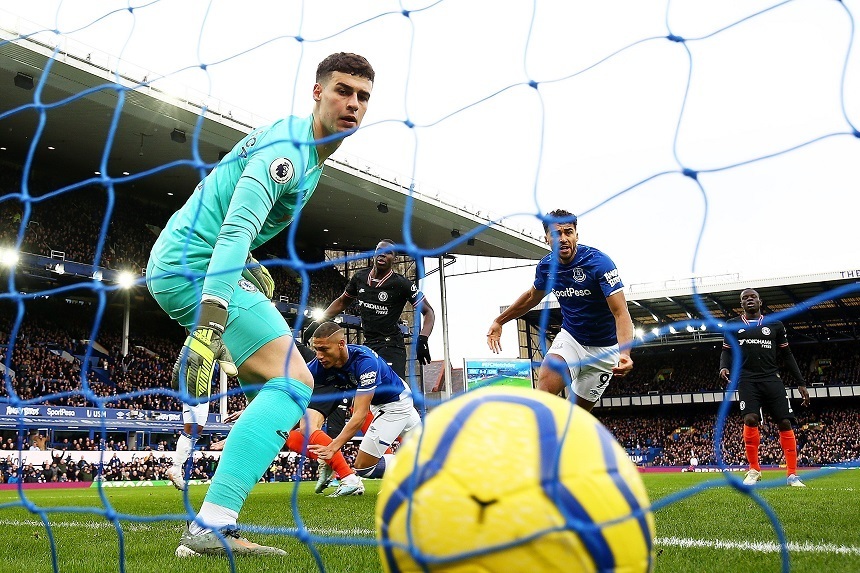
[{"x": 712, "y": 529}]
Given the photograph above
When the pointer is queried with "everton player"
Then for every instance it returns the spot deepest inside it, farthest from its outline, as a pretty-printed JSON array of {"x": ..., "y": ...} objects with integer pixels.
[
  {"x": 597, "y": 331},
  {"x": 379, "y": 391},
  {"x": 760, "y": 388},
  {"x": 195, "y": 275}
]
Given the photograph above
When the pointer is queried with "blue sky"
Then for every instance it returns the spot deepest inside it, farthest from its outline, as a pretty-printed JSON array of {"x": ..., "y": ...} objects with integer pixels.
[{"x": 606, "y": 141}]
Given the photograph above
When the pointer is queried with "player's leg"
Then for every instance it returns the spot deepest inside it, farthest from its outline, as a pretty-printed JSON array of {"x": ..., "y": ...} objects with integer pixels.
[
  {"x": 324, "y": 401},
  {"x": 258, "y": 337},
  {"x": 751, "y": 412},
  {"x": 395, "y": 356},
  {"x": 390, "y": 422},
  {"x": 561, "y": 368},
  {"x": 779, "y": 406},
  {"x": 595, "y": 372},
  {"x": 194, "y": 419}
]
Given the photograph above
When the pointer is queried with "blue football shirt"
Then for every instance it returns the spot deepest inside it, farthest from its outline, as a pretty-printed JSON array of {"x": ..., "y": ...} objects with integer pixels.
[{"x": 581, "y": 288}]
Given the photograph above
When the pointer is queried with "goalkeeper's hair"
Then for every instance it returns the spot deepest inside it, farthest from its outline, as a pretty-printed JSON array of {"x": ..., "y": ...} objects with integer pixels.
[
  {"x": 558, "y": 217},
  {"x": 326, "y": 329},
  {"x": 346, "y": 63}
]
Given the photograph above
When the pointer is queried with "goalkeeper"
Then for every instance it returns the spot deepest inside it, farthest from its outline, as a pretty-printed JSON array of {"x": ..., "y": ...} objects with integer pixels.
[{"x": 200, "y": 272}]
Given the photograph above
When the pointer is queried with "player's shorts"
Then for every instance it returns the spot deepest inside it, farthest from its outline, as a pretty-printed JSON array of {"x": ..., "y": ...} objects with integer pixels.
[
  {"x": 590, "y": 366},
  {"x": 327, "y": 399},
  {"x": 252, "y": 320},
  {"x": 393, "y": 354},
  {"x": 389, "y": 421},
  {"x": 197, "y": 414},
  {"x": 768, "y": 395}
]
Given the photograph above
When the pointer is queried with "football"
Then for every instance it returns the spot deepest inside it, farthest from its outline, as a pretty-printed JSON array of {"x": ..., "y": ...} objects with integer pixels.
[{"x": 513, "y": 479}]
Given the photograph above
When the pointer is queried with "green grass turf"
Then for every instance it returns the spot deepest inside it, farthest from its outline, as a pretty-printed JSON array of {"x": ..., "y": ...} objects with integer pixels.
[{"x": 821, "y": 520}]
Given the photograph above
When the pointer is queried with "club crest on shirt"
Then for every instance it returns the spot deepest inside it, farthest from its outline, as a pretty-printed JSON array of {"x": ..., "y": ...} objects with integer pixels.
[
  {"x": 578, "y": 274},
  {"x": 247, "y": 285},
  {"x": 765, "y": 330},
  {"x": 281, "y": 170},
  {"x": 383, "y": 296}
]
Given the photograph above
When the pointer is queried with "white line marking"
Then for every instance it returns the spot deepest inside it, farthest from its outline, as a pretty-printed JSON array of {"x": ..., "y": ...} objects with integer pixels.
[
  {"x": 761, "y": 547},
  {"x": 159, "y": 526},
  {"x": 685, "y": 542}
]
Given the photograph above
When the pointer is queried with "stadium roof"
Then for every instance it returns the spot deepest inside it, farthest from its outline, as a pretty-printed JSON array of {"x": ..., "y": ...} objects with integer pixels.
[
  {"x": 657, "y": 305},
  {"x": 80, "y": 95}
]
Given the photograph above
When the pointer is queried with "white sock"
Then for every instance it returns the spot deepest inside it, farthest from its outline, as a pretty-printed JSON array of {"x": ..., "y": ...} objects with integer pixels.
[
  {"x": 350, "y": 479},
  {"x": 184, "y": 446},
  {"x": 214, "y": 517}
]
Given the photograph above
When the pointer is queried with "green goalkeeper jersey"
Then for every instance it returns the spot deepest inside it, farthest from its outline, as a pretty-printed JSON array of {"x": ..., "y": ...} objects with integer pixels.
[{"x": 252, "y": 194}]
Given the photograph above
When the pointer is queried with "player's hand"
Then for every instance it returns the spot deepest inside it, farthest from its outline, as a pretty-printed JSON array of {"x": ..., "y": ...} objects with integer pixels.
[
  {"x": 232, "y": 417},
  {"x": 494, "y": 337},
  {"x": 624, "y": 366},
  {"x": 259, "y": 276},
  {"x": 724, "y": 374},
  {"x": 804, "y": 394},
  {"x": 308, "y": 332},
  {"x": 322, "y": 452},
  {"x": 218, "y": 446},
  {"x": 201, "y": 349},
  {"x": 423, "y": 350}
]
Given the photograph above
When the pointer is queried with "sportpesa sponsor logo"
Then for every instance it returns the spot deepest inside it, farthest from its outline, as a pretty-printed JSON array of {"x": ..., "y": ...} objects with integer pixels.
[
  {"x": 570, "y": 291},
  {"x": 760, "y": 341}
]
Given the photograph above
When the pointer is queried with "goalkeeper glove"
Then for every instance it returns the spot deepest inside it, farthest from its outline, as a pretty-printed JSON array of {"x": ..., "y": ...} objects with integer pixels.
[
  {"x": 202, "y": 347},
  {"x": 423, "y": 350},
  {"x": 259, "y": 276}
]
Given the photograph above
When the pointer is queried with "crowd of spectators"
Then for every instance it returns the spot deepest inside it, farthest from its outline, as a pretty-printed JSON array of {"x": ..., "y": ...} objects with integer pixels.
[
  {"x": 685, "y": 370},
  {"x": 824, "y": 435},
  {"x": 149, "y": 465}
]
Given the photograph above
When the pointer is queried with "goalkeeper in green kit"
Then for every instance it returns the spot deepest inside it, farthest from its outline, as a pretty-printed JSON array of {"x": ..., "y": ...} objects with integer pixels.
[{"x": 201, "y": 273}]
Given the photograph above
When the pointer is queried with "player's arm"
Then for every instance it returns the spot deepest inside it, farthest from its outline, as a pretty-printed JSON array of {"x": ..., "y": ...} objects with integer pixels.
[
  {"x": 623, "y": 331},
  {"x": 524, "y": 303},
  {"x": 336, "y": 307},
  {"x": 250, "y": 204},
  {"x": 428, "y": 319},
  {"x": 360, "y": 408},
  {"x": 725, "y": 362},
  {"x": 791, "y": 363}
]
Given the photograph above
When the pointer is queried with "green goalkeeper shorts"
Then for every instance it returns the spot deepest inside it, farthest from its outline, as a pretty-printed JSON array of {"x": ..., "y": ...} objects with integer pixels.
[{"x": 252, "y": 320}]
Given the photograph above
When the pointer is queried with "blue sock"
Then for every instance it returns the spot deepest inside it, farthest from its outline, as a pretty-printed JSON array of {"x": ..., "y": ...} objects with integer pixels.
[
  {"x": 256, "y": 439},
  {"x": 373, "y": 472}
]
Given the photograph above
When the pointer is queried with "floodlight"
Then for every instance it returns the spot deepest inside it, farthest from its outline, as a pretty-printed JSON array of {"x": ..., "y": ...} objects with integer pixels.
[
  {"x": 8, "y": 257},
  {"x": 317, "y": 313},
  {"x": 125, "y": 279}
]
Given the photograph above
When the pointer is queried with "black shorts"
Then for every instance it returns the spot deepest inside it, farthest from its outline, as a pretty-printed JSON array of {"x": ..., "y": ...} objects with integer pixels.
[
  {"x": 765, "y": 395},
  {"x": 327, "y": 400},
  {"x": 394, "y": 355}
]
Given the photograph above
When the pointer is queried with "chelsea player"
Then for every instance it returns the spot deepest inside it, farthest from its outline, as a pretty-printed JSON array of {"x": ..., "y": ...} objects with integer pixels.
[
  {"x": 596, "y": 334},
  {"x": 195, "y": 273}
]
